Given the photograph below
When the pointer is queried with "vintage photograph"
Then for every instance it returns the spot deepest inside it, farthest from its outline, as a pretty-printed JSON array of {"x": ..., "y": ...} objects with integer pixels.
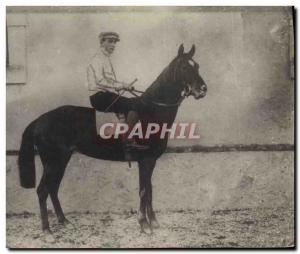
[{"x": 150, "y": 127}]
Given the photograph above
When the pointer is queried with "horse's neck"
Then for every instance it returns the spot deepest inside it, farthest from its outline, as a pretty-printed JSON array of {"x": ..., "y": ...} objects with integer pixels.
[{"x": 165, "y": 89}]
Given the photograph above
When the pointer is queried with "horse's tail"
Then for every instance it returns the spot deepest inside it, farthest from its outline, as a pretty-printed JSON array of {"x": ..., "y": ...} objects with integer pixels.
[{"x": 26, "y": 158}]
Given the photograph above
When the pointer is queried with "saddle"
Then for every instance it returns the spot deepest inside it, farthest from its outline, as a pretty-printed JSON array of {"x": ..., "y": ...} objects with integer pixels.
[{"x": 102, "y": 118}]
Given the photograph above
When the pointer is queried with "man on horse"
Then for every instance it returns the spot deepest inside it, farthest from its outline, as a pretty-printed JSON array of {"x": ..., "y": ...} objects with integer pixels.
[{"x": 105, "y": 89}]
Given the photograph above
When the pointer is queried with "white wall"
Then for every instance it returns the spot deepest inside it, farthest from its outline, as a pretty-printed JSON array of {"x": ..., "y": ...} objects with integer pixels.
[{"x": 243, "y": 56}]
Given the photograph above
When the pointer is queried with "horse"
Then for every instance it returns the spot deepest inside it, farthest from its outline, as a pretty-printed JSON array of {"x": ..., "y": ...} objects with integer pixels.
[{"x": 56, "y": 134}]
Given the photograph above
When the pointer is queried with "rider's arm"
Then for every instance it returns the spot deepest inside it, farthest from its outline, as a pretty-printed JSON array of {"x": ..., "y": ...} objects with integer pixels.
[
  {"x": 97, "y": 80},
  {"x": 96, "y": 74},
  {"x": 115, "y": 83}
]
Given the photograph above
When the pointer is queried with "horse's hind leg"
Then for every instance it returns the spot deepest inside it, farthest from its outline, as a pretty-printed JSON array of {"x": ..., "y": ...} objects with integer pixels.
[
  {"x": 42, "y": 193},
  {"x": 54, "y": 163},
  {"x": 54, "y": 184}
]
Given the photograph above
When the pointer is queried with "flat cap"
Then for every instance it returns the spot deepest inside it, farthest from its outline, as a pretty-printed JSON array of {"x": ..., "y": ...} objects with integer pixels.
[{"x": 112, "y": 35}]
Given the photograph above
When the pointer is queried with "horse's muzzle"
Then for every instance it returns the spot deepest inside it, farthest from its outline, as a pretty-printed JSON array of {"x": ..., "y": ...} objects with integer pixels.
[{"x": 198, "y": 94}]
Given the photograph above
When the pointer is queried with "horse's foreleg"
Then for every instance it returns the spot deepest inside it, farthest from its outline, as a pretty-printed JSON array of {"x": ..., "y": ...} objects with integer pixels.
[
  {"x": 142, "y": 219},
  {"x": 146, "y": 167},
  {"x": 150, "y": 212}
]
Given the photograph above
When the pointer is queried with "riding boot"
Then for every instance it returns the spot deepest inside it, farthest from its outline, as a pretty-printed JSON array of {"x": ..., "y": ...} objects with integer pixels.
[
  {"x": 127, "y": 152},
  {"x": 130, "y": 145},
  {"x": 127, "y": 155}
]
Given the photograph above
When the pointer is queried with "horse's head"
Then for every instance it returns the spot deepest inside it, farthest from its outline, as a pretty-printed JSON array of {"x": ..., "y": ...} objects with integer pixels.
[{"x": 186, "y": 73}]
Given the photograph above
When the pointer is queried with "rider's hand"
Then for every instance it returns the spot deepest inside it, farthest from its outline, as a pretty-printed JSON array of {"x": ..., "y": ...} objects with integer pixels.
[
  {"x": 131, "y": 88},
  {"x": 124, "y": 86},
  {"x": 120, "y": 86},
  {"x": 118, "y": 89},
  {"x": 127, "y": 87}
]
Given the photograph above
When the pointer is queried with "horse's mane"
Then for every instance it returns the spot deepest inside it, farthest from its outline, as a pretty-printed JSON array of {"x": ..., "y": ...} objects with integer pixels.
[{"x": 163, "y": 79}]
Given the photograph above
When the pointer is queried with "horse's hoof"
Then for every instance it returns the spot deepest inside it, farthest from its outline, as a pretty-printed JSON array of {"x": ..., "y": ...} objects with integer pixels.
[
  {"x": 154, "y": 224},
  {"x": 147, "y": 231},
  {"x": 48, "y": 235},
  {"x": 64, "y": 221},
  {"x": 145, "y": 228},
  {"x": 47, "y": 231},
  {"x": 68, "y": 224},
  {"x": 49, "y": 238}
]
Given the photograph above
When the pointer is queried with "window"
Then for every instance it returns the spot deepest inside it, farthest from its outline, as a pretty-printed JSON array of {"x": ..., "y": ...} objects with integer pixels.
[{"x": 16, "y": 72}]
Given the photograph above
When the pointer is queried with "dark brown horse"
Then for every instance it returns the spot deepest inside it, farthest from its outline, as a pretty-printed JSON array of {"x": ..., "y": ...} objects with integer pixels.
[{"x": 58, "y": 133}]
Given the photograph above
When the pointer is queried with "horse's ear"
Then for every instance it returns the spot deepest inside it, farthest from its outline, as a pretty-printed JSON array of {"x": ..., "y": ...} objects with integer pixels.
[
  {"x": 192, "y": 51},
  {"x": 180, "y": 50}
]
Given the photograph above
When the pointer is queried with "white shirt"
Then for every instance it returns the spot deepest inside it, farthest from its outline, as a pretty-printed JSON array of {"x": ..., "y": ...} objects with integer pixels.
[{"x": 100, "y": 74}]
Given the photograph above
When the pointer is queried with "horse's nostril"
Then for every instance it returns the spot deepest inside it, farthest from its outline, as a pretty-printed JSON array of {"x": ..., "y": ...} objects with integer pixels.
[{"x": 204, "y": 89}]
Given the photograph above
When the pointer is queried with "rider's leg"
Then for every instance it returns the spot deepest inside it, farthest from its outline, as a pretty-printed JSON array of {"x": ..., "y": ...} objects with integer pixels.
[
  {"x": 130, "y": 144},
  {"x": 111, "y": 102},
  {"x": 130, "y": 108},
  {"x": 132, "y": 118},
  {"x": 102, "y": 100}
]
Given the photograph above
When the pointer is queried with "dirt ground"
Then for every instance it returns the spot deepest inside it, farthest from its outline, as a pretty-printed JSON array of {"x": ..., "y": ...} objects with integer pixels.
[{"x": 237, "y": 228}]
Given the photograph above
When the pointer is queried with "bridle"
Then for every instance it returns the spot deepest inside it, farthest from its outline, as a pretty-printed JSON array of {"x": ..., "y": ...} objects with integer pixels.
[{"x": 186, "y": 92}]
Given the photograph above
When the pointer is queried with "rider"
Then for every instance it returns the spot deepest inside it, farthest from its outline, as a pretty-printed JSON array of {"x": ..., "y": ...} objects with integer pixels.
[{"x": 104, "y": 88}]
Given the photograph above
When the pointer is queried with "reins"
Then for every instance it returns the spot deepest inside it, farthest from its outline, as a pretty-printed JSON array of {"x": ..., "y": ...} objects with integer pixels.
[
  {"x": 118, "y": 97},
  {"x": 134, "y": 92},
  {"x": 185, "y": 93}
]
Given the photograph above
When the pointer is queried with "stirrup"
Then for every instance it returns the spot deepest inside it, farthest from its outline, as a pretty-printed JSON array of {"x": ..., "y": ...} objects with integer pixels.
[
  {"x": 128, "y": 156},
  {"x": 134, "y": 146}
]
